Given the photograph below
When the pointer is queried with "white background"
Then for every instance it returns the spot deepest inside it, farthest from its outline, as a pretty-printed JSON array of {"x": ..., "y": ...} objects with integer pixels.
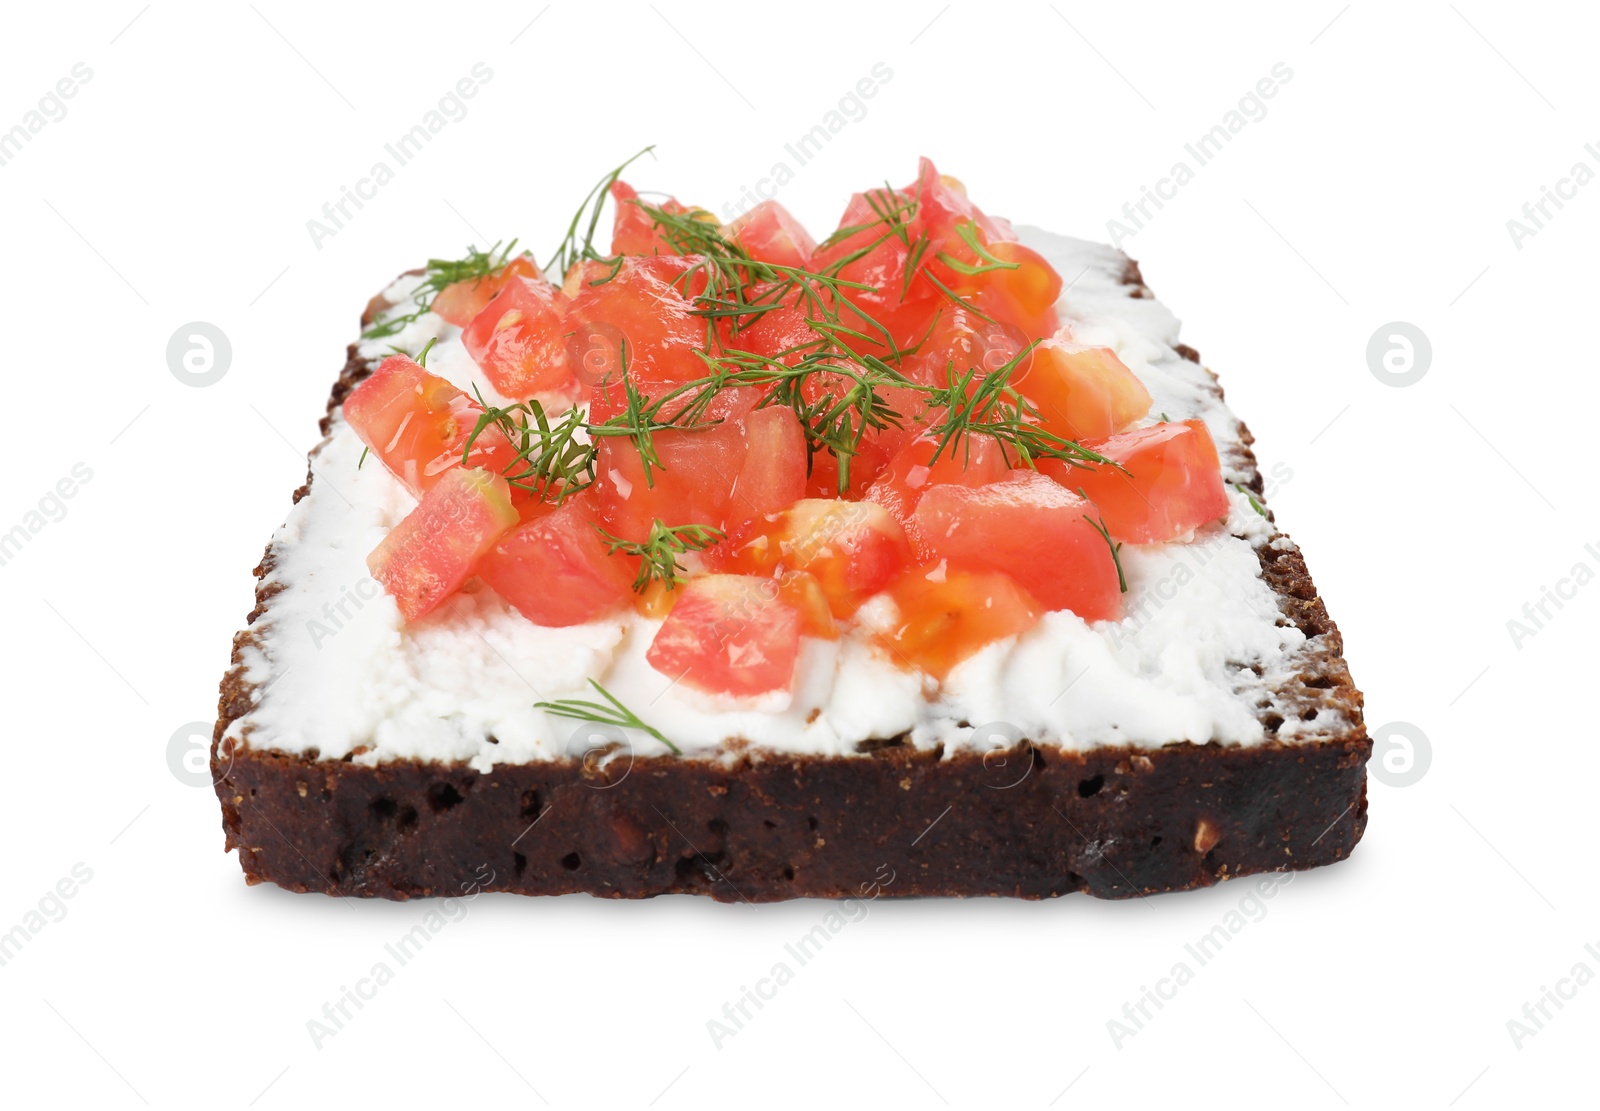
[{"x": 1377, "y": 188}]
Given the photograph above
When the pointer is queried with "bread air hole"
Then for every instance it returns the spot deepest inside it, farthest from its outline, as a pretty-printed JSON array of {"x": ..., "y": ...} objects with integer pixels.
[
  {"x": 442, "y": 796},
  {"x": 1088, "y": 788}
]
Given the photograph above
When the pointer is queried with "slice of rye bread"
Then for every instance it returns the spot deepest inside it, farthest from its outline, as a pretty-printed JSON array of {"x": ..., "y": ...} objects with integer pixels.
[{"x": 1030, "y": 821}]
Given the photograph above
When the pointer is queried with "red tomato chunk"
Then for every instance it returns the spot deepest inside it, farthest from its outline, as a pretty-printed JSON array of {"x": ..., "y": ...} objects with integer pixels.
[
  {"x": 555, "y": 568},
  {"x": 946, "y": 616},
  {"x": 519, "y": 340},
  {"x": 417, "y": 424},
  {"x": 1173, "y": 483},
  {"x": 459, "y": 302},
  {"x": 1034, "y": 530},
  {"x": 729, "y": 634},
  {"x": 427, "y": 556}
]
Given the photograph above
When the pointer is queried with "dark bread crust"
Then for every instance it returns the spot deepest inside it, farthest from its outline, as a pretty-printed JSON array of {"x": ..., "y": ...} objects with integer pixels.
[{"x": 1031, "y": 821}]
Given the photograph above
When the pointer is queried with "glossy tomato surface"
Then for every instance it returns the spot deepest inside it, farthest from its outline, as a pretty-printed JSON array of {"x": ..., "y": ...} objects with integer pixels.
[
  {"x": 1032, "y": 529},
  {"x": 555, "y": 568},
  {"x": 945, "y": 616},
  {"x": 729, "y": 634},
  {"x": 417, "y": 424},
  {"x": 974, "y": 461},
  {"x": 459, "y": 302},
  {"x": 429, "y": 554},
  {"x": 851, "y": 548},
  {"x": 519, "y": 340},
  {"x": 770, "y": 233},
  {"x": 1082, "y": 393},
  {"x": 1171, "y": 486}
]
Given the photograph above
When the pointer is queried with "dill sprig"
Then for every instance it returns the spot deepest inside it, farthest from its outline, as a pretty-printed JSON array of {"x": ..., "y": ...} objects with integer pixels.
[
  {"x": 612, "y": 712},
  {"x": 987, "y": 261},
  {"x": 658, "y": 553},
  {"x": 552, "y": 461},
  {"x": 837, "y": 401},
  {"x": 744, "y": 289},
  {"x": 977, "y": 404},
  {"x": 1098, "y": 523},
  {"x": 836, "y": 393},
  {"x": 440, "y": 274},
  {"x": 1250, "y": 494},
  {"x": 578, "y": 244}
]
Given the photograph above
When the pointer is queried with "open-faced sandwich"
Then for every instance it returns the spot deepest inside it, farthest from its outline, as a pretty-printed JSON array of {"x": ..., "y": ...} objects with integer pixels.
[{"x": 731, "y": 562}]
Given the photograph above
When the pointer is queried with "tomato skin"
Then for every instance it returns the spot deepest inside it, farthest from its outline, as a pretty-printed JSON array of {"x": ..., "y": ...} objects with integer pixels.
[
  {"x": 865, "y": 466},
  {"x": 555, "y": 568},
  {"x": 1082, "y": 393},
  {"x": 1173, "y": 485},
  {"x": 977, "y": 461},
  {"x": 429, "y": 554},
  {"x": 1031, "y": 528},
  {"x": 729, "y": 634},
  {"x": 417, "y": 424},
  {"x": 737, "y": 464},
  {"x": 459, "y": 302},
  {"x": 770, "y": 233},
  {"x": 946, "y": 616},
  {"x": 908, "y": 325},
  {"x": 519, "y": 341}
]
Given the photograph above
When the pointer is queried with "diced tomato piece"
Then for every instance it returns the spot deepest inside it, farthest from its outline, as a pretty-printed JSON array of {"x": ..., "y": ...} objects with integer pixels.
[
  {"x": 1025, "y": 297},
  {"x": 773, "y": 475},
  {"x": 853, "y": 548},
  {"x": 769, "y": 233},
  {"x": 946, "y": 615},
  {"x": 783, "y": 334},
  {"x": 520, "y": 340},
  {"x": 693, "y": 485},
  {"x": 976, "y": 461},
  {"x": 459, "y": 302},
  {"x": 429, "y": 554},
  {"x": 729, "y": 634},
  {"x": 556, "y": 569},
  {"x": 684, "y": 273},
  {"x": 942, "y": 201},
  {"x": 1033, "y": 529},
  {"x": 417, "y": 424},
  {"x": 1082, "y": 393},
  {"x": 633, "y": 231},
  {"x": 650, "y": 324},
  {"x": 877, "y": 249},
  {"x": 1173, "y": 483},
  {"x": 960, "y": 340}
]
